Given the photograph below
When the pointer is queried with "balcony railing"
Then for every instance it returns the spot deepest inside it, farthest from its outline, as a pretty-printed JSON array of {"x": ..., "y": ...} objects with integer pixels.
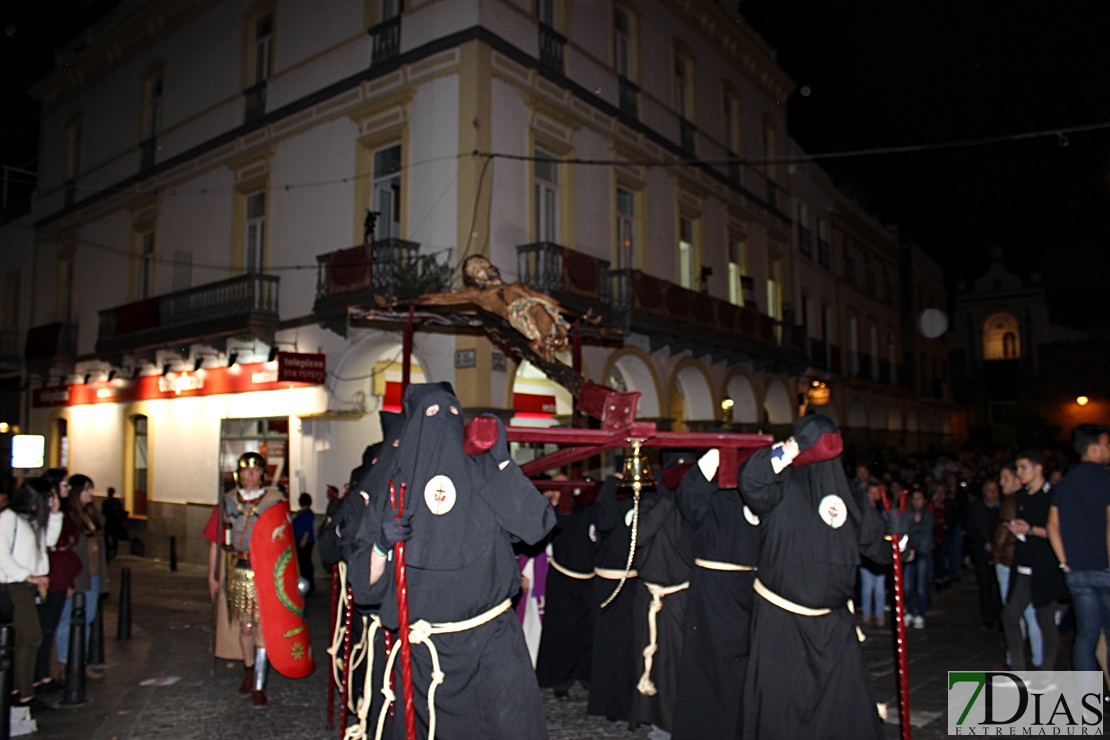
[
  {"x": 629, "y": 97},
  {"x": 247, "y": 304},
  {"x": 385, "y": 40},
  {"x": 575, "y": 279},
  {"x": 147, "y": 151},
  {"x": 687, "y": 136},
  {"x": 551, "y": 48},
  {"x": 354, "y": 276},
  {"x": 656, "y": 306},
  {"x": 254, "y": 98},
  {"x": 370, "y": 268}
]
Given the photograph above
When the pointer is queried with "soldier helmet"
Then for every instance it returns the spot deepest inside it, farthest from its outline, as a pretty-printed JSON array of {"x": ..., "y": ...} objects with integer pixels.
[{"x": 250, "y": 460}]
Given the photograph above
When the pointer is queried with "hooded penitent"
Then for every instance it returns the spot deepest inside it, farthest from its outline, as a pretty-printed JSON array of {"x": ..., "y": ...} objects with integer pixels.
[
  {"x": 806, "y": 672},
  {"x": 460, "y": 569}
]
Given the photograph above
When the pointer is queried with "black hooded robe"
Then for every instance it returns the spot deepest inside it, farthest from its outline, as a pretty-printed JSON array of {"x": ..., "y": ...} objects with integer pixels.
[
  {"x": 806, "y": 674},
  {"x": 564, "y": 655},
  {"x": 612, "y": 657},
  {"x": 664, "y": 553},
  {"x": 719, "y": 607},
  {"x": 460, "y": 564}
]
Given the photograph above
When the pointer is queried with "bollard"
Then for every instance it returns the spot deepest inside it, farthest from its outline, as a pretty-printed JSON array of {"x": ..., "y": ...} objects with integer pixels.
[
  {"x": 96, "y": 634},
  {"x": 7, "y": 653},
  {"x": 173, "y": 554},
  {"x": 75, "y": 661},
  {"x": 123, "y": 628}
]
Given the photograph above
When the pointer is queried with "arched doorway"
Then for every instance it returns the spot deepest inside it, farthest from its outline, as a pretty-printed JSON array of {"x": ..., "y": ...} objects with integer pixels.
[
  {"x": 692, "y": 403},
  {"x": 630, "y": 373},
  {"x": 537, "y": 400},
  {"x": 777, "y": 405},
  {"x": 744, "y": 409}
]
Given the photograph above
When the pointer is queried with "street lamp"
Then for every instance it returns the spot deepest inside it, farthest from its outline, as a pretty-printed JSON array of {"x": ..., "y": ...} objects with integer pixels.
[{"x": 1082, "y": 400}]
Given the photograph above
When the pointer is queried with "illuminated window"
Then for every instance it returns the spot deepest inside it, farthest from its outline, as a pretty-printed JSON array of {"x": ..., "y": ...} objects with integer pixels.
[{"x": 1001, "y": 337}]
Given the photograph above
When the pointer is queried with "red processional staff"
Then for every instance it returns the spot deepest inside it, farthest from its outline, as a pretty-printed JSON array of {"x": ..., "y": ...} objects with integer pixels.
[
  {"x": 397, "y": 501},
  {"x": 900, "y": 625}
]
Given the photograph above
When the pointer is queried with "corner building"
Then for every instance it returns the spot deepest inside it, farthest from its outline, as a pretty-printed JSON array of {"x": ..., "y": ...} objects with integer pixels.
[{"x": 205, "y": 172}]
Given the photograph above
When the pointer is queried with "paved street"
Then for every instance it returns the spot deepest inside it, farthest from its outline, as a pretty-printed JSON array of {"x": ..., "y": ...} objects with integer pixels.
[{"x": 170, "y": 628}]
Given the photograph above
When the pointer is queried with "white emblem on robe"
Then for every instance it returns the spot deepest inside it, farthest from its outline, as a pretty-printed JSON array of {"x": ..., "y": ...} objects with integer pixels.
[
  {"x": 833, "y": 511},
  {"x": 440, "y": 494}
]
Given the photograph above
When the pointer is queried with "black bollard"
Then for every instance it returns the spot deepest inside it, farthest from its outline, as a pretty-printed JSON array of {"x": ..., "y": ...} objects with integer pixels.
[
  {"x": 123, "y": 628},
  {"x": 7, "y": 653},
  {"x": 75, "y": 661},
  {"x": 173, "y": 554},
  {"x": 96, "y": 634}
]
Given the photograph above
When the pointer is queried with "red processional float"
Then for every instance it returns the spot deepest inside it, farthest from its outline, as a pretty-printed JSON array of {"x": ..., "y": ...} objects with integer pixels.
[{"x": 532, "y": 327}]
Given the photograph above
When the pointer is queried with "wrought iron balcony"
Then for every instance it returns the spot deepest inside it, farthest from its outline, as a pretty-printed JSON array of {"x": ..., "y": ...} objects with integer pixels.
[
  {"x": 247, "y": 304},
  {"x": 551, "y": 48},
  {"x": 254, "y": 98},
  {"x": 687, "y": 136},
  {"x": 51, "y": 345},
  {"x": 575, "y": 279},
  {"x": 354, "y": 276},
  {"x": 385, "y": 40},
  {"x": 629, "y": 97},
  {"x": 682, "y": 318}
]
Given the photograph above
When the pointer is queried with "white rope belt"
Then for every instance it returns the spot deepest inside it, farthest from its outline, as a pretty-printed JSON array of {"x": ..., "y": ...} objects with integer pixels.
[
  {"x": 420, "y": 632},
  {"x": 720, "y": 565},
  {"x": 614, "y": 575},
  {"x": 784, "y": 603},
  {"x": 567, "y": 571},
  {"x": 645, "y": 685},
  {"x": 357, "y": 731},
  {"x": 337, "y": 633}
]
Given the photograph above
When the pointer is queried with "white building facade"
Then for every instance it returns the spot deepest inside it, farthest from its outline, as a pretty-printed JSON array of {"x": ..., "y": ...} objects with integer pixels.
[{"x": 206, "y": 168}]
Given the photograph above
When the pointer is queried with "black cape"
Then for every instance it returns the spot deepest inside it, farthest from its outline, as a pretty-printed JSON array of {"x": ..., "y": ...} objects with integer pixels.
[
  {"x": 564, "y": 654},
  {"x": 467, "y": 511},
  {"x": 806, "y": 674},
  {"x": 718, "y": 613}
]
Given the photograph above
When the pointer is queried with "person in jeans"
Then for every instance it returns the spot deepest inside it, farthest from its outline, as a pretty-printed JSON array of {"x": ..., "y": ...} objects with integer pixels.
[
  {"x": 28, "y": 527},
  {"x": 873, "y": 575},
  {"x": 917, "y": 523},
  {"x": 1003, "y": 547},
  {"x": 1036, "y": 577},
  {"x": 1077, "y": 527}
]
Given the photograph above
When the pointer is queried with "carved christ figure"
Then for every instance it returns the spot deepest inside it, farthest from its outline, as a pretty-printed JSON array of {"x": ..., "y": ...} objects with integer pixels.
[{"x": 535, "y": 315}]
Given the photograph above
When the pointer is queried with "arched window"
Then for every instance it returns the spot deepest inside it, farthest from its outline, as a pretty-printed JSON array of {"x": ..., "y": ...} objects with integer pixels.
[{"x": 1001, "y": 337}]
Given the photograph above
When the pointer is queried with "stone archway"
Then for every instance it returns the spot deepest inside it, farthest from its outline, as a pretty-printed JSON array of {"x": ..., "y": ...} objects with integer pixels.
[
  {"x": 631, "y": 373},
  {"x": 776, "y": 403},
  {"x": 691, "y": 398},
  {"x": 744, "y": 408}
]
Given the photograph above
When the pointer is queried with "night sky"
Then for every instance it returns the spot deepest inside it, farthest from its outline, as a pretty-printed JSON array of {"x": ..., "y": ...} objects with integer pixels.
[
  {"x": 871, "y": 74},
  {"x": 883, "y": 74}
]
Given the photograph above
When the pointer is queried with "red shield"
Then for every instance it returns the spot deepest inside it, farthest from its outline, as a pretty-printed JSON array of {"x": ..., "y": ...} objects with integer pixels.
[{"x": 280, "y": 604}]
